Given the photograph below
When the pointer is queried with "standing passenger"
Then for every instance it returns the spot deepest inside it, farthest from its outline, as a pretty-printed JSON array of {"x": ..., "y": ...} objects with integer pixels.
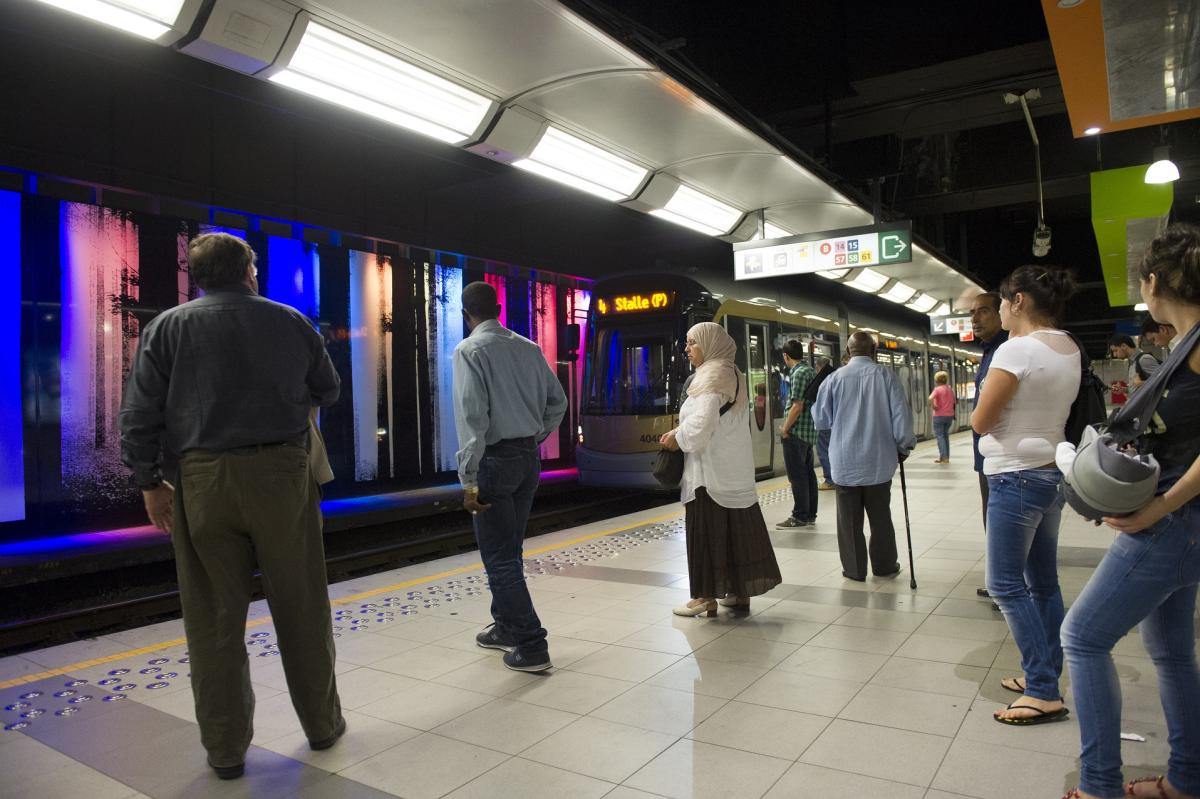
[
  {"x": 506, "y": 402},
  {"x": 863, "y": 405},
  {"x": 942, "y": 403},
  {"x": 1021, "y": 416},
  {"x": 985, "y": 324},
  {"x": 797, "y": 437},
  {"x": 227, "y": 382},
  {"x": 824, "y": 370},
  {"x": 730, "y": 557},
  {"x": 1150, "y": 573}
]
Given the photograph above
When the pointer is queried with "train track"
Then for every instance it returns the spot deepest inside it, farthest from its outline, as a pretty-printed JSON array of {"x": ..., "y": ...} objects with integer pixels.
[{"x": 81, "y": 608}]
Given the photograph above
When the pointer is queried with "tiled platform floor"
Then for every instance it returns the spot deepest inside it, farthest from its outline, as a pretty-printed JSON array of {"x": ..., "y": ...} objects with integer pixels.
[{"x": 829, "y": 689}]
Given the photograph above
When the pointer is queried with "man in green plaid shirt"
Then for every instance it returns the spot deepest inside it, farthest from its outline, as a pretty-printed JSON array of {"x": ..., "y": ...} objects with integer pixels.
[{"x": 798, "y": 437}]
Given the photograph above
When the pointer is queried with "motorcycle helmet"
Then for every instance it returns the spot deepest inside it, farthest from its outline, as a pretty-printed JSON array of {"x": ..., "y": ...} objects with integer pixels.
[{"x": 1104, "y": 481}]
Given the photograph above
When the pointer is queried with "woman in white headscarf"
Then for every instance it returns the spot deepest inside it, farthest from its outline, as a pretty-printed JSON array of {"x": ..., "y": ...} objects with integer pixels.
[{"x": 730, "y": 557}]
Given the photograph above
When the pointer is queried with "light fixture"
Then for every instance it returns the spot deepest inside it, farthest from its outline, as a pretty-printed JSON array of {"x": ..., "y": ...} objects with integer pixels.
[
  {"x": 146, "y": 18},
  {"x": 868, "y": 280},
  {"x": 698, "y": 211},
  {"x": 942, "y": 310},
  {"x": 342, "y": 70},
  {"x": 1141, "y": 306},
  {"x": 1092, "y": 131},
  {"x": 1069, "y": 3},
  {"x": 899, "y": 292},
  {"x": 575, "y": 162},
  {"x": 775, "y": 231},
  {"x": 1163, "y": 170},
  {"x": 815, "y": 318},
  {"x": 834, "y": 274},
  {"x": 923, "y": 303}
]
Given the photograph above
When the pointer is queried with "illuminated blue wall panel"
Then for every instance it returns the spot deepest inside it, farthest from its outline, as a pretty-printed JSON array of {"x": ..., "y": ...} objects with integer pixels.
[
  {"x": 12, "y": 450},
  {"x": 293, "y": 274}
]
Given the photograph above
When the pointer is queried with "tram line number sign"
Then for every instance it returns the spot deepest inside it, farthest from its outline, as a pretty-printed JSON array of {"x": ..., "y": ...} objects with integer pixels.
[{"x": 848, "y": 248}]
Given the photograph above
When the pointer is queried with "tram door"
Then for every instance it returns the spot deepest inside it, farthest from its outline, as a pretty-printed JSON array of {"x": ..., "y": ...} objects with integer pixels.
[{"x": 758, "y": 381}]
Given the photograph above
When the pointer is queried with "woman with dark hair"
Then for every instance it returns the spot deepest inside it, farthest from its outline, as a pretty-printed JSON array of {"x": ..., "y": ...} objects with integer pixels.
[
  {"x": 1150, "y": 573},
  {"x": 729, "y": 552},
  {"x": 1022, "y": 412}
]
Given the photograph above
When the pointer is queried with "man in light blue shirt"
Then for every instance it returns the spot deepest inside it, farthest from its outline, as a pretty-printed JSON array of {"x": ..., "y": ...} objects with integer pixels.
[
  {"x": 864, "y": 406},
  {"x": 506, "y": 402}
]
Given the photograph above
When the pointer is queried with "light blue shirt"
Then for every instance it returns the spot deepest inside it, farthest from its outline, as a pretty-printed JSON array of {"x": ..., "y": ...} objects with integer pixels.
[
  {"x": 503, "y": 388},
  {"x": 864, "y": 406}
]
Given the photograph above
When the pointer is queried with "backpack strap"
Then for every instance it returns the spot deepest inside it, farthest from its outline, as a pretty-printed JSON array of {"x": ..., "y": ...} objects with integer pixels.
[
  {"x": 1132, "y": 418},
  {"x": 727, "y": 406}
]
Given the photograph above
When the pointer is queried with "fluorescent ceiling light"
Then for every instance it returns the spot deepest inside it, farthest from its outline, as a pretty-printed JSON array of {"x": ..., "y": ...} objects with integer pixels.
[
  {"x": 775, "y": 231},
  {"x": 923, "y": 303},
  {"x": 1163, "y": 171},
  {"x": 899, "y": 293},
  {"x": 814, "y": 317},
  {"x": 834, "y": 274},
  {"x": 1092, "y": 131},
  {"x": 1141, "y": 306},
  {"x": 575, "y": 162},
  {"x": 698, "y": 211},
  {"x": 147, "y": 18},
  {"x": 868, "y": 280},
  {"x": 347, "y": 72},
  {"x": 942, "y": 310}
]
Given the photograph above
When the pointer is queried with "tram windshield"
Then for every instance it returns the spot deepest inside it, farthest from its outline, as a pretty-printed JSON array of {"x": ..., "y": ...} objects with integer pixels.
[{"x": 629, "y": 373}]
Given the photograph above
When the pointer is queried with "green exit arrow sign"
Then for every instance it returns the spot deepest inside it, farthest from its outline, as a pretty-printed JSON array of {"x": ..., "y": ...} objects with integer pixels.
[{"x": 892, "y": 247}]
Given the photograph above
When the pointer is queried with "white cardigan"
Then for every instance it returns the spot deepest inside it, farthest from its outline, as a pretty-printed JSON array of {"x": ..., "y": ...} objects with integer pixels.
[{"x": 717, "y": 452}]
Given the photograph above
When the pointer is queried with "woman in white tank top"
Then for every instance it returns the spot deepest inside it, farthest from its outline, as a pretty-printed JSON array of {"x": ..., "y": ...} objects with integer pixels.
[{"x": 1022, "y": 412}]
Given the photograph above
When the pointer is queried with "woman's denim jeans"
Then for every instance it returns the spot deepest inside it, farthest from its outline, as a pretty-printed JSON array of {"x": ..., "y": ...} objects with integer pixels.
[
  {"x": 941, "y": 429},
  {"x": 1150, "y": 578},
  {"x": 1024, "y": 509}
]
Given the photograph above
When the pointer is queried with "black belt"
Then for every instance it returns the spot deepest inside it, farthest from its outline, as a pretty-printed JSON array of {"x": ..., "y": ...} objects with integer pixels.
[{"x": 527, "y": 441}]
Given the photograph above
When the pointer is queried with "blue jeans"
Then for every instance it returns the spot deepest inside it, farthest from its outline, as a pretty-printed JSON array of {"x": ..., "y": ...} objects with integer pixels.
[
  {"x": 941, "y": 429},
  {"x": 508, "y": 479},
  {"x": 1024, "y": 509},
  {"x": 798, "y": 460},
  {"x": 823, "y": 453},
  {"x": 1151, "y": 578}
]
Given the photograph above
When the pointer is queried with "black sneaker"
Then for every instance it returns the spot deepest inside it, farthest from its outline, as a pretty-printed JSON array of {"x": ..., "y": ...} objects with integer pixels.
[
  {"x": 520, "y": 661},
  {"x": 228, "y": 772},
  {"x": 325, "y": 743},
  {"x": 493, "y": 638},
  {"x": 790, "y": 523}
]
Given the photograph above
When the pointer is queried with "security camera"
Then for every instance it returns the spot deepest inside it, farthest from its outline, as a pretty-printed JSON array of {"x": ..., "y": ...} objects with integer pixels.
[{"x": 1041, "y": 241}]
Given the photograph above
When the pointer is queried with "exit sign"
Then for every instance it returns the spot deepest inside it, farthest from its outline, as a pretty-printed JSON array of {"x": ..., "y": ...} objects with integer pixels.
[{"x": 847, "y": 248}]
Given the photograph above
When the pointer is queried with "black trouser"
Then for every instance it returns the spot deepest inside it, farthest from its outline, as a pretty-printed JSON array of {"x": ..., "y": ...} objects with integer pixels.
[
  {"x": 234, "y": 510},
  {"x": 508, "y": 478},
  {"x": 875, "y": 502},
  {"x": 798, "y": 460}
]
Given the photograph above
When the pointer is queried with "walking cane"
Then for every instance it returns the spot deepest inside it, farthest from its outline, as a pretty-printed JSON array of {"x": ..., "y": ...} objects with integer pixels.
[{"x": 912, "y": 572}]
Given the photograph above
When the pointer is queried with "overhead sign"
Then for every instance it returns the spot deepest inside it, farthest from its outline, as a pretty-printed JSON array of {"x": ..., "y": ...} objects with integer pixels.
[
  {"x": 950, "y": 326},
  {"x": 633, "y": 303},
  {"x": 848, "y": 248}
]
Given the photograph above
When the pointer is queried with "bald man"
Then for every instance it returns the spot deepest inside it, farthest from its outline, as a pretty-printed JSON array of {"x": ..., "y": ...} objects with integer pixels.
[{"x": 864, "y": 407}]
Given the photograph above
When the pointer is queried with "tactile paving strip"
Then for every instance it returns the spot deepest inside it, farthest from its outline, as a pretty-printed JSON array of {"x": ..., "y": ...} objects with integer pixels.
[{"x": 21, "y": 709}]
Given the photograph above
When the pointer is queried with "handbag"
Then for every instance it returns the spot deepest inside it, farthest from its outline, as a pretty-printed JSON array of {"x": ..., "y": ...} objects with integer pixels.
[{"x": 668, "y": 466}]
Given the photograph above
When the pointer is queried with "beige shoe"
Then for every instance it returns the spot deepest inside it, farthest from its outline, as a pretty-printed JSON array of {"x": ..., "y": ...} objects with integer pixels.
[
  {"x": 697, "y": 607},
  {"x": 735, "y": 602}
]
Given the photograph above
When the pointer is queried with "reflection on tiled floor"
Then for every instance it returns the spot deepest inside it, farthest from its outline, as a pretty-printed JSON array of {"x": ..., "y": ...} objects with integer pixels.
[{"x": 829, "y": 688}]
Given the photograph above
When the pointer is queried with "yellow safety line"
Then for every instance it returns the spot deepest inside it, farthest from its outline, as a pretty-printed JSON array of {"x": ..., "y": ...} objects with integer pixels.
[{"x": 346, "y": 600}]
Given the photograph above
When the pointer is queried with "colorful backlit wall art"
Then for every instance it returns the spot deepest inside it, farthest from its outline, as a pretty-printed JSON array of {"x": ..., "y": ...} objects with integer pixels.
[
  {"x": 371, "y": 364},
  {"x": 82, "y": 281},
  {"x": 12, "y": 449}
]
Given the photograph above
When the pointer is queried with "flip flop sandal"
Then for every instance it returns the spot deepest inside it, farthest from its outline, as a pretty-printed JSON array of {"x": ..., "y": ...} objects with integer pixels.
[
  {"x": 1158, "y": 783},
  {"x": 1073, "y": 794},
  {"x": 1011, "y": 684},
  {"x": 1042, "y": 717}
]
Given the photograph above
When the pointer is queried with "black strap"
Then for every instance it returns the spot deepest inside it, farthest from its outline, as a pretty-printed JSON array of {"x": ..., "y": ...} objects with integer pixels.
[
  {"x": 1132, "y": 418},
  {"x": 736, "y": 391}
]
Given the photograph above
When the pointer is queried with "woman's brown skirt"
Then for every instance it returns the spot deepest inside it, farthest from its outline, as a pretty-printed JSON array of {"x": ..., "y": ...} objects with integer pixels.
[{"x": 728, "y": 550}]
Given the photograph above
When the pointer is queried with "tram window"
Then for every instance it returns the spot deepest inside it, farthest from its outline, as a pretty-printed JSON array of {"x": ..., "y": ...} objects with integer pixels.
[{"x": 629, "y": 375}]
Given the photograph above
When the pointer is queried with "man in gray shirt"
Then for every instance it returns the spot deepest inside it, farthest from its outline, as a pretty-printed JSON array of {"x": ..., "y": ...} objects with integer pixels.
[
  {"x": 218, "y": 403},
  {"x": 506, "y": 402}
]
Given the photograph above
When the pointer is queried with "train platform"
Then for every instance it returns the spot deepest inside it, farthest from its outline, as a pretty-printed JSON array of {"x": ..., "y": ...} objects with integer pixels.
[{"x": 828, "y": 688}]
